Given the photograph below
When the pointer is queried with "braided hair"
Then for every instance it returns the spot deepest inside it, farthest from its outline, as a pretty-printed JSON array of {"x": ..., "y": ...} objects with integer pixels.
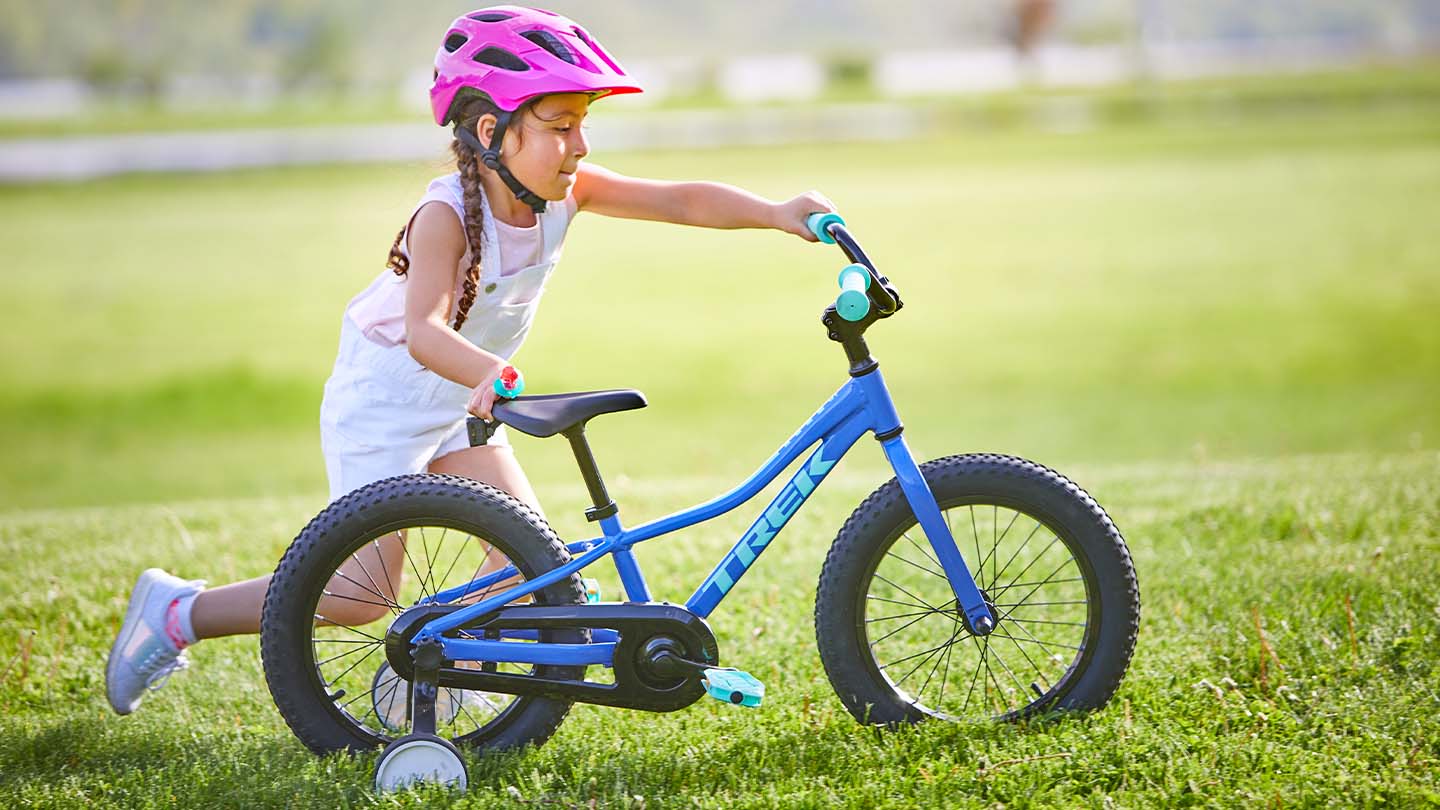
[{"x": 468, "y": 111}]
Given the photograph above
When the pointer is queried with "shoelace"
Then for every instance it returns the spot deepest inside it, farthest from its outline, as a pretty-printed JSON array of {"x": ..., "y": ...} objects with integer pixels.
[{"x": 162, "y": 669}]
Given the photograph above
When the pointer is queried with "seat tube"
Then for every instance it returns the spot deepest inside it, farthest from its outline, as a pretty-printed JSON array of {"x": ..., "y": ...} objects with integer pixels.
[
  {"x": 886, "y": 424},
  {"x": 631, "y": 578}
]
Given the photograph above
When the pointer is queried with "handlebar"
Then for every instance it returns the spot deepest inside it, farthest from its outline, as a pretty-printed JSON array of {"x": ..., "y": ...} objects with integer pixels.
[{"x": 829, "y": 228}]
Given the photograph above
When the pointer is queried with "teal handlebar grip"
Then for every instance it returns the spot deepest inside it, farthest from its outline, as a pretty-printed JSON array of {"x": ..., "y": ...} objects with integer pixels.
[
  {"x": 510, "y": 383},
  {"x": 852, "y": 303},
  {"x": 819, "y": 224}
]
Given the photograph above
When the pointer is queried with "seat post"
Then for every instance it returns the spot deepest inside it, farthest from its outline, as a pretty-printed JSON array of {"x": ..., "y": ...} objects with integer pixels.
[{"x": 604, "y": 507}]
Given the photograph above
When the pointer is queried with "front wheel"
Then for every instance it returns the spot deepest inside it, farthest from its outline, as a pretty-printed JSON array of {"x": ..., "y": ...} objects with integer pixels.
[{"x": 1049, "y": 562}]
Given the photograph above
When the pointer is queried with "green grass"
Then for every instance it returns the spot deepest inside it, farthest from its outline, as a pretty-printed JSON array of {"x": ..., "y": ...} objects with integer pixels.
[
  {"x": 1331, "y": 722},
  {"x": 1226, "y": 332}
]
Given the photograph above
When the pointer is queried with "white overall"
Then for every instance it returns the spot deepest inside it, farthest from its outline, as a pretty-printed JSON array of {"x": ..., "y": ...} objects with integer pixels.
[{"x": 383, "y": 414}]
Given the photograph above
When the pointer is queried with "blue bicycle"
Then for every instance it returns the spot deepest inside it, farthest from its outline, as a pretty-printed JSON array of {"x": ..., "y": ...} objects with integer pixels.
[{"x": 425, "y": 611}]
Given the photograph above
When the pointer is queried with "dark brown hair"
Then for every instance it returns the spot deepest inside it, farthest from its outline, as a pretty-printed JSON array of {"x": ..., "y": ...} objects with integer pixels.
[{"x": 469, "y": 111}]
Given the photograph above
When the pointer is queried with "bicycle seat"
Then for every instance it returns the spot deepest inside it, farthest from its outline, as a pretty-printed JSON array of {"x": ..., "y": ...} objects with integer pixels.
[{"x": 547, "y": 414}]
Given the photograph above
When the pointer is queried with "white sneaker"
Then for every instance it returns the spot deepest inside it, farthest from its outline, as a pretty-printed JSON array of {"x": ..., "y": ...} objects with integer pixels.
[{"x": 143, "y": 656}]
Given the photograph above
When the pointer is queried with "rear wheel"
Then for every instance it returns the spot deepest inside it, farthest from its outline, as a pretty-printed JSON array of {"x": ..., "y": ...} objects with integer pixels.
[
  {"x": 1050, "y": 563},
  {"x": 361, "y": 563}
]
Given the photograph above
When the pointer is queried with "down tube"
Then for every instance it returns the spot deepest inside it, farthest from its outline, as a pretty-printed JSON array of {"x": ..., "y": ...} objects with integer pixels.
[{"x": 833, "y": 446}]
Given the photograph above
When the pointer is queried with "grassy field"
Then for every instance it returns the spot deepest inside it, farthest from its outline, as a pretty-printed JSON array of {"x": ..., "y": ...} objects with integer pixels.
[{"x": 1225, "y": 332}]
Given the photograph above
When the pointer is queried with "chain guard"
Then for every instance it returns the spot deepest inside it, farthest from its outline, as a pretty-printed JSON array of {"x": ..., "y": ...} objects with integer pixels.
[{"x": 636, "y": 685}]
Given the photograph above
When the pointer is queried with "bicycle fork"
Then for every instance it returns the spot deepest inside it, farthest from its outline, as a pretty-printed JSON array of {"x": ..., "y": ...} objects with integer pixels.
[
  {"x": 886, "y": 424},
  {"x": 978, "y": 619}
]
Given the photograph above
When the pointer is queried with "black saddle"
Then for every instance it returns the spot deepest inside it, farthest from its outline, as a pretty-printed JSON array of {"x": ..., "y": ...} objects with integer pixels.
[{"x": 547, "y": 414}]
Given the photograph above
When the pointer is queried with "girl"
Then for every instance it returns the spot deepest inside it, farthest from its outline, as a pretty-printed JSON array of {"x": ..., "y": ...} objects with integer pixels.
[{"x": 423, "y": 345}]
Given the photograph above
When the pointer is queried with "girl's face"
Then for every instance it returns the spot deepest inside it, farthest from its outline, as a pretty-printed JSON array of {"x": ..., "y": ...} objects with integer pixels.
[{"x": 548, "y": 149}]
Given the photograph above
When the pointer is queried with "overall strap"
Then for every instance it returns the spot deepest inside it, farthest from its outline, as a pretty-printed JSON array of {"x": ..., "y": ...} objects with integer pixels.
[{"x": 553, "y": 225}]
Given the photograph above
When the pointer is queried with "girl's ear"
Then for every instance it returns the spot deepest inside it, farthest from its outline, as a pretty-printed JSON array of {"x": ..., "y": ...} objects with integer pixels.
[{"x": 485, "y": 128}]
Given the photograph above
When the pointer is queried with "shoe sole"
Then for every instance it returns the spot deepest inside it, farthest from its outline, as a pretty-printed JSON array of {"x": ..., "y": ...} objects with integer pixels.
[{"x": 132, "y": 615}]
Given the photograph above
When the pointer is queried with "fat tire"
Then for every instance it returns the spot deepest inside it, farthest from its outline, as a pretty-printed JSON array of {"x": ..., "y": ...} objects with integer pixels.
[
  {"x": 1007, "y": 480},
  {"x": 285, "y": 649}
]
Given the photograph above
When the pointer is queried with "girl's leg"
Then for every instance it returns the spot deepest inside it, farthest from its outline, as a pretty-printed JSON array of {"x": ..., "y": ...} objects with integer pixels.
[
  {"x": 235, "y": 608},
  {"x": 493, "y": 464}
]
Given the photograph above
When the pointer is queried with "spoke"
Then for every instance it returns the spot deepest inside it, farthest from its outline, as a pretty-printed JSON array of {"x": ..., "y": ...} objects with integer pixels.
[
  {"x": 369, "y": 710},
  {"x": 353, "y": 599},
  {"x": 1044, "y": 621},
  {"x": 340, "y": 640},
  {"x": 934, "y": 653},
  {"x": 1042, "y": 582},
  {"x": 1031, "y": 592},
  {"x": 461, "y": 698},
  {"x": 974, "y": 532},
  {"x": 996, "y": 655},
  {"x": 1053, "y": 540},
  {"x": 943, "y": 609},
  {"x": 907, "y": 593},
  {"x": 922, "y": 549},
  {"x": 892, "y": 553},
  {"x": 424, "y": 591},
  {"x": 1017, "y": 551},
  {"x": 980, "y": 662},
  {"x": 385, "y": 569},
  {"x": 1046, "y": 644},
  {"x": 347, "y": 578},
  {"x": 994, "y": 541},
  {"x": 362, "y": 659},
  {"x": 906, "y": 604},
  {"x": 944, "y": 678},
  {"x": 348, "y": 627},
  {"x": 909, "y": 657},
  {"x": 390, "y": 695},
  {"x": 1032, "y": 640},
  {"x": 993, "y": 556},
  {"x": 438, "y": 547},
  {"x": 458, "y": 555},
  {"x": 999, "y": 691},
  {"x": 426, "y": 580},
  {"x": 953, "y": 635},
  {"x": 1033, "y": 665},
  {"x": 898, "y": 629},
  {"x": 489, "y": 547},
  {"x": 395, "y": 606},
  {"x": 1039, "y": 604},
  {"x": 336, "y": 656},
  {"x": 371, "y": 692}
]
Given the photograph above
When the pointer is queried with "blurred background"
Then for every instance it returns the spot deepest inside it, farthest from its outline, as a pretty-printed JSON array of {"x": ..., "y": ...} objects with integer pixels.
[{"x": 1129, "y": 232}]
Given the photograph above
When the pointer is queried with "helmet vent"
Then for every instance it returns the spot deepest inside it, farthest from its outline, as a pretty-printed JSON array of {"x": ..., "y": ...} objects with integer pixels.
[
  {"x": 501, "y": 58},
  {"x": 454, "y": 41},
  {"x": 552, "y": 44},
  {"x": 599, "y": 51},
  {"x": 491, "y": 16}
]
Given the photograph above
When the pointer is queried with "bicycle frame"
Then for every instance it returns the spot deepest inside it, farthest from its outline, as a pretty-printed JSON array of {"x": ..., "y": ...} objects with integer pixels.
[{"x": 862, "y": 404}]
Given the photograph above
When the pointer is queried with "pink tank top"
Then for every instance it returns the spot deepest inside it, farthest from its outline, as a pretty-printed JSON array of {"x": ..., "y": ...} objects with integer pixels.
[{"x": 379, "y": 310}]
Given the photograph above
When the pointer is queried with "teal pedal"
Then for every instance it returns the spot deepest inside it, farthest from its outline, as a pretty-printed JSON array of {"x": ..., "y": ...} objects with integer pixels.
[
  {"x": 733, "y": 686},
  {"x": 592, "y": 589}
]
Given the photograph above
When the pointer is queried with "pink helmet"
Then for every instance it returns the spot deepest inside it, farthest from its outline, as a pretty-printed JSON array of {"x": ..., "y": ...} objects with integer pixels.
[{"x": 513, "y": 54}]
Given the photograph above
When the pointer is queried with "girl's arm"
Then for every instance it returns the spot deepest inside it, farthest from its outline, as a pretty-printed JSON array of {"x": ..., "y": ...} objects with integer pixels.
[
  {"x": 437, "y": 243},
  {"x": 710, "y": 205}
]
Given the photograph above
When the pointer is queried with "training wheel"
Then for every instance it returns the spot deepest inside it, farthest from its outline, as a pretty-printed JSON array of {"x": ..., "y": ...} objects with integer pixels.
[{"x": 417, "y": 758}]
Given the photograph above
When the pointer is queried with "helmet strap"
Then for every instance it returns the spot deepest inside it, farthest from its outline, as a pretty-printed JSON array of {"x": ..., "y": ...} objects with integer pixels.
[{"x": 490, "y": 156}]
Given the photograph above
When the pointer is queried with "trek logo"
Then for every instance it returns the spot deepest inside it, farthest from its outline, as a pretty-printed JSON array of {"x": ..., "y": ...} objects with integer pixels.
[{"x": 770, "y": 522}]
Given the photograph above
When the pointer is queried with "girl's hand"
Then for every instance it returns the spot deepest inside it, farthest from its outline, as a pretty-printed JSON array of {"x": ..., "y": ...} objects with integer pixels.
[
  {"x": 790, "y": 216},
  {"x": 482, "y": 398}
]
